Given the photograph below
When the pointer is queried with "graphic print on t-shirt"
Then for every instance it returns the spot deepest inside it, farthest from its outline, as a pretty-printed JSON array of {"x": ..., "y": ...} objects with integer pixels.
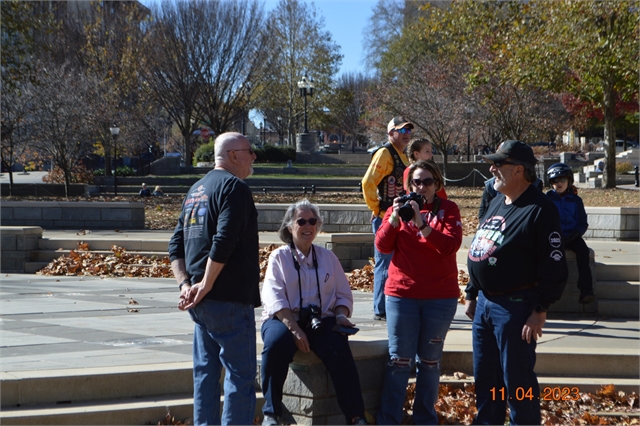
[
  {"x": 487, "y": 239},
  {"x": 195, "y": 205}
]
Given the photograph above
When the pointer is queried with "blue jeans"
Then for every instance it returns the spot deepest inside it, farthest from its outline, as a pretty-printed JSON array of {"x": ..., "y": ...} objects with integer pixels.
[
  {"x": 417, "y": 329},
  {"x": 224, "y": 335},
  {"x": 503, "y": 362},
  {"x": 380, "y": 273},
  {"x": 333, "y": 350}
]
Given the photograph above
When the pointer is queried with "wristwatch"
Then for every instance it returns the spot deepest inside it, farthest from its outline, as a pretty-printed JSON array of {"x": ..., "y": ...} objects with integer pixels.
[{"x": 539, "y": 309}]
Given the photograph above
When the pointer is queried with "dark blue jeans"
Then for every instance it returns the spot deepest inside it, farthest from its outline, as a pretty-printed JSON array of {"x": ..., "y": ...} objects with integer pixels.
[
  {"x": 333, "y": 350},
  {"x": 503, "y": 362},
  {"x": 579, "y": 247}
]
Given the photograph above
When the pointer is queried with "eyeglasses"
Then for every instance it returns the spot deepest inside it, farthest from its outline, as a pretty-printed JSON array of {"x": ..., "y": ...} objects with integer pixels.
[
  {"x": 404, "y": 130},
  {"x": 559, "y": 180},
  {"x": 303, "y": 222},
  {"x": 499, "y": 164},
  {"x": 425, "y": 182},
  {"x": 251, "y": 151}
]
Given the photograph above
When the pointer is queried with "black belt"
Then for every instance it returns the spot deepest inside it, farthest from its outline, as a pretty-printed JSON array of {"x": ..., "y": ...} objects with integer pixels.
[{"x": 513, "y": 290}]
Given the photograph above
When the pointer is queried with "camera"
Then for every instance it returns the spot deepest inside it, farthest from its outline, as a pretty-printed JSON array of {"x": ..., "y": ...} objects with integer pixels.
[
  {"x": 310, "y": 316},
  {"x": 406, "y": 210}
]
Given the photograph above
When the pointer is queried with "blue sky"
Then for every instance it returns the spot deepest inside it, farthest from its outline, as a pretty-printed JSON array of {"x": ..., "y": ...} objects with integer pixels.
[{"x": 345, "y": 20}]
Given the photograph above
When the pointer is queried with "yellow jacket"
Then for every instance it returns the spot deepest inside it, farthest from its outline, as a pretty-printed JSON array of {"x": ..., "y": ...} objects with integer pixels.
[{"x": 381, "y": 166}]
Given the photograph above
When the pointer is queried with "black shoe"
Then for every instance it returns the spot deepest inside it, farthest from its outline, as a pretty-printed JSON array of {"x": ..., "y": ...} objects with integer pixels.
[
  {"x": 377, "y": 317},
  {"x": 586, "y": 297}
]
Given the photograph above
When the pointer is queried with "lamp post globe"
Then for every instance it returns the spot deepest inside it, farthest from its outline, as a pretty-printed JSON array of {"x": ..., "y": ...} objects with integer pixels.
[{"x": 306, "y": 89}]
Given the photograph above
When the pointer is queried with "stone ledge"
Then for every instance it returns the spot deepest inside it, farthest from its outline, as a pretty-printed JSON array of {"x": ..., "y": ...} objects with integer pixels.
[{"x": 74, "y": 214}]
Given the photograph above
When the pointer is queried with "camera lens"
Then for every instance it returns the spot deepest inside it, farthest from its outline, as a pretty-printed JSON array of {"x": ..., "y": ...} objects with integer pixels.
[
  {"x": 406, "y": 212},
  {"x": 316, "y": 325}
]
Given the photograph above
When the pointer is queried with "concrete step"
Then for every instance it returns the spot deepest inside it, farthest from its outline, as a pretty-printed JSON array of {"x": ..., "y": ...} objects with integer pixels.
[
  {"x": 119, "y": 412},
  {"x": 75, "y": 386},
  {"x": 33, "y": 267},
  {"x": 105, "y": 244},
  {"x": 617, "y": 272},
  {"x": 618, "y": 290},
  {"x": 619, "y": 308},
  {"x": 116, "y": 412},
  {"x": 49, "y": 255}
]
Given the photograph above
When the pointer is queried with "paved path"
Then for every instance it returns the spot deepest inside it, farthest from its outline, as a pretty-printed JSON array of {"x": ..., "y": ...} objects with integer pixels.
[{"x": 54, "y": 323}]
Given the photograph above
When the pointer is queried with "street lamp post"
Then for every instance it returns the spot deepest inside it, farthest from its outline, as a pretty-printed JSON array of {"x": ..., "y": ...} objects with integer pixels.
[
  {"x": 115, "y": 131},
  {"x": 306, "y": 89},
  {"x": 280, "y": 132},
  {"x": 468, "y": 112}
]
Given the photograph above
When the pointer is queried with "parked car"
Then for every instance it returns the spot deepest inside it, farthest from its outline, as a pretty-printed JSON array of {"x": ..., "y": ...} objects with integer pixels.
[{"x": 619, "y": 145}]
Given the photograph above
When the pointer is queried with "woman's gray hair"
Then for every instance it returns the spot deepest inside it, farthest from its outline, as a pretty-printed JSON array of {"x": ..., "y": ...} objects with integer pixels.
[{"x": 287, "y": 221}]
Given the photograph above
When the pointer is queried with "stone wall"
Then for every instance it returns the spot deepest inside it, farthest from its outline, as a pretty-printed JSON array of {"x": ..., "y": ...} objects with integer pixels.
[
  {"x": 17, "y": 243},
  {"x": 73, "y": 215},
  {"x": 614, "y": 223},
  {"x": 308, "y": 393},
  {"x": 43, "y": 190}
]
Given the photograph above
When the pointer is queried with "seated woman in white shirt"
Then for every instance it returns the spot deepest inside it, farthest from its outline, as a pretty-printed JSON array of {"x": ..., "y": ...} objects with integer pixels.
[{"x": 305, "y": 293}]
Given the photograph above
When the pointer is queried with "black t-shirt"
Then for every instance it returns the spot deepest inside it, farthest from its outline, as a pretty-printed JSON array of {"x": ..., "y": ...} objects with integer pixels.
[
  {"x": 219, "y": 221},
  {"x": 517, "y": 245}
]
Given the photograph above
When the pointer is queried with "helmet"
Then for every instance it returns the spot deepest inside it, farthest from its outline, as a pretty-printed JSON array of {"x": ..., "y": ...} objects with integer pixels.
[{"x": 559, "y": 170}]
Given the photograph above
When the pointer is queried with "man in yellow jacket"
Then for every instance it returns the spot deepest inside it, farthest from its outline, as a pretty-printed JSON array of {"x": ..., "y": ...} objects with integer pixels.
[{"x": 382, "y": 183}]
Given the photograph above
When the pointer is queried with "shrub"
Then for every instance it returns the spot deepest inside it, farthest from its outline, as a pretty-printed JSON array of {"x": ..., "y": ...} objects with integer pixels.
[
  {"x": 79, "y": 174},
  {"x": 205, "y": 153},
  {"x": 623, "y": 167},
  {"x": 98, "y": 172},
  {"x": 275, "y": 154},
  {"x": 125, "y": 171}
]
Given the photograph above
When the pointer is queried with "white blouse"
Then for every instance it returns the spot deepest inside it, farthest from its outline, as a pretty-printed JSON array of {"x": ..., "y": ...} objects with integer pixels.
[{"x": 280, "y": 288}]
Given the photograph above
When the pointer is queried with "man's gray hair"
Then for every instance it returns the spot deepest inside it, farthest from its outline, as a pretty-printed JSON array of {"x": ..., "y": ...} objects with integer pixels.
[
  {"x": 225, "y": 142},
  {"x": 287, "y": 221}
]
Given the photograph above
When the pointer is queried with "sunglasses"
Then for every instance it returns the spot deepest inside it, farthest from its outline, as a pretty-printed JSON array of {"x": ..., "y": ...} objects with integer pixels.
[
  {"x": 499, "y": 164},
  {"x": 251, "y": 151},
  {"x": 303, "y": 222},
  {"x": 559, "y": 180},
  {"x": 404, "y": 130},
  {"x": 425, "y": 182}
]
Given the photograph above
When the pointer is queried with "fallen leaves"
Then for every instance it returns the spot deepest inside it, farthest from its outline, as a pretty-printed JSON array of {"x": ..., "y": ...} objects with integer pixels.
[
  {"x": 119, "y": 264},
  {"x": 362, "y": 279},
  {"x": 457, "y": 405}
]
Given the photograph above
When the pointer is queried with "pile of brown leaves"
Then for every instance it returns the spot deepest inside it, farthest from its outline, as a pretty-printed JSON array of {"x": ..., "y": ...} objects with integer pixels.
[
  {"x": 457, "y": 405},
  {"x": 362, "y": 279},
  {"x": 119, "y": 264}
]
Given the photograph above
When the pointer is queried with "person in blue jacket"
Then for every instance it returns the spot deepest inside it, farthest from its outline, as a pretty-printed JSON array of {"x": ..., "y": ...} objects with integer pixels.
[{"x": 573, "y": 219}]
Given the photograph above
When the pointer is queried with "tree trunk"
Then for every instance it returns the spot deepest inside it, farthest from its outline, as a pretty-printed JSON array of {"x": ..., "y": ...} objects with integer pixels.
[
  {"x": 187, "y": 147},
  {"x": 609, "y": 175}
]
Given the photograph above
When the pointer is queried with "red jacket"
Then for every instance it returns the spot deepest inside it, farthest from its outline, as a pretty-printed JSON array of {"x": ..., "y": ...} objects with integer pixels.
[{"x": 423, "y": 268}]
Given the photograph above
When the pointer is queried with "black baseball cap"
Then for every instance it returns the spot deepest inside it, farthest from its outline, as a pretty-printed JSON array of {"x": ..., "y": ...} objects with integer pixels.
[{"x": 514, "y": 150}]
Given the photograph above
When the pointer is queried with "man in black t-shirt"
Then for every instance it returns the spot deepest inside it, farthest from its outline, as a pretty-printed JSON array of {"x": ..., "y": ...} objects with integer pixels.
[
  {"x": 517, "y": 269},
  {"x": 214, "y": 257}
]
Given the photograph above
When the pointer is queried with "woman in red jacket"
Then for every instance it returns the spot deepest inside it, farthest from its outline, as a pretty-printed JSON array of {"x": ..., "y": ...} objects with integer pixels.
[{"x": 421, "y": 292}]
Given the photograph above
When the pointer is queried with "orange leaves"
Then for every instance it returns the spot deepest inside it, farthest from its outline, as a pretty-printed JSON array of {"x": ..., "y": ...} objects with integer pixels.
[
  {"x": 457, "y": 405},
  {"x": 362, "y": 279},
  {"x": 264, "y": 258},
  {"x": 119, "y": 264}
]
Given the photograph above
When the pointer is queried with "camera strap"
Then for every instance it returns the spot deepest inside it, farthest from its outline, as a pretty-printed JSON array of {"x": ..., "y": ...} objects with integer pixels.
[{"x": 315, "y": 265}]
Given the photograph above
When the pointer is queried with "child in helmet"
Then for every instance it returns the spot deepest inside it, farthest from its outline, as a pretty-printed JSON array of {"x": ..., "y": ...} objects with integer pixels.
[{"x": 573, "y": 219}]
